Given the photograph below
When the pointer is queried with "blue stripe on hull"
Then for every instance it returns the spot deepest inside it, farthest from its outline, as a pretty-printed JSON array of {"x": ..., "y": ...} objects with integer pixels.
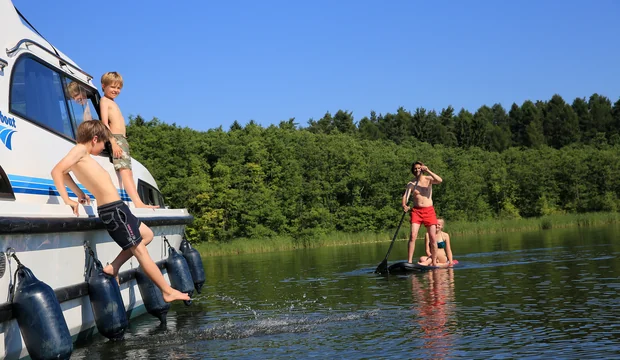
[
  {"x": 41, "y": 186},
  {"x": 32, "y": 186}
]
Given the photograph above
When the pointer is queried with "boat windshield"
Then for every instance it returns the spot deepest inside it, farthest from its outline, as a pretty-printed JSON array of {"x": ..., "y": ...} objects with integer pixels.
[{"x": 48, "y": 97}]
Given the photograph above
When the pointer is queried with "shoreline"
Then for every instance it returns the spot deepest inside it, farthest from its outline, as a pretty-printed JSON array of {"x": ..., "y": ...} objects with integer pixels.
[{"x": 288, "y": 243}]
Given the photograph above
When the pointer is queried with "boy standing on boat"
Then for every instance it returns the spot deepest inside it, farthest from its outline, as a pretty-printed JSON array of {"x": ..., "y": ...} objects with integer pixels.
[
  {"x": 423, "y": 211},
  {"x": 111, "y": 116},
  {"x": 126, "y": 230}
]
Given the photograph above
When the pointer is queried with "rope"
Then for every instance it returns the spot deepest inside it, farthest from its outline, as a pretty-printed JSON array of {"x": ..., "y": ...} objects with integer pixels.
[
  {"x": 90, "y": 250},
  {"x": 90, "y": 261},
  {"x": 10, "y": 253},
  {"x": 185, "y": 237},
  {"x": 166, "y": 241}
]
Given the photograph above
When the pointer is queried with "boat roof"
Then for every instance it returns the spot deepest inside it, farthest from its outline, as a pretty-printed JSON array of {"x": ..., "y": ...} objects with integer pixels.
[{"x": 18, "y": 34}]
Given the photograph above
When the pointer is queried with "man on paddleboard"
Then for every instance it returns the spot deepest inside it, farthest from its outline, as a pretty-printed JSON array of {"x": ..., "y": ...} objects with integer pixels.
[{"x": 423, "y": 211}]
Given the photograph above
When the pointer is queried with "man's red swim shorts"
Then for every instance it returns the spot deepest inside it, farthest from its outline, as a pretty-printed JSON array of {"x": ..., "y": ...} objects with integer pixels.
[{"x": 424, "y": 215}]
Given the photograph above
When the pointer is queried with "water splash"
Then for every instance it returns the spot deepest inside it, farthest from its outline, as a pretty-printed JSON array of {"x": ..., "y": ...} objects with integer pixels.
[{"x": 237, "y": 303}]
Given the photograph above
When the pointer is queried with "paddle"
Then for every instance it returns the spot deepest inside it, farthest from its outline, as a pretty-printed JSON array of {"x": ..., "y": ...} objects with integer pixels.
[{"x": 383, "y": 267}]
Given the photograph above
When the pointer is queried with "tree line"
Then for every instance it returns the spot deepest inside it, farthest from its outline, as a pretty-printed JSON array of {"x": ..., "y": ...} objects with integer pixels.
[
  {"x": 555, "y": 123},
  {"x": 338, "y": 175}
]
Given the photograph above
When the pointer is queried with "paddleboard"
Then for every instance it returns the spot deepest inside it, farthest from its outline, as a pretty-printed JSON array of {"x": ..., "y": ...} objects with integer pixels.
[{"x": 405, "y": 267}]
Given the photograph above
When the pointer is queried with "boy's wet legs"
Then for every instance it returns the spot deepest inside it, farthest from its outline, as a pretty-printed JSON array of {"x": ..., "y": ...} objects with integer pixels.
[
  {"x": 113, "y": 268},
  {"x": 152, "y": 271},
  {"x": 411, "y": 246},
  {"x": 425, "y": 260},
  {"x": 432, "y": 232}
]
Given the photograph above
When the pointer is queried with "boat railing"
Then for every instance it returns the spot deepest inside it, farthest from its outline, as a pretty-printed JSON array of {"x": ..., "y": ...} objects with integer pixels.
[{"x": 62, "y": 61}]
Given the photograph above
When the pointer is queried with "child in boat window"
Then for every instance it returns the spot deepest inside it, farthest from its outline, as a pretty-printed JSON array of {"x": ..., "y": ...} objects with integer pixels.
[
  {"x": 111, "y": 116},
  {"x": 444, "y": 250},
  {"x": 124, "y": 228},
  {"x": 80, "y": 96}
]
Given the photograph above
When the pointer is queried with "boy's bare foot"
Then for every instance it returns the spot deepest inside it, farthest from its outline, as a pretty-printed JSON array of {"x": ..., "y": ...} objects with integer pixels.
[
  {"x": 175, "y": 295},
  {"x": 108, "y": 269}
]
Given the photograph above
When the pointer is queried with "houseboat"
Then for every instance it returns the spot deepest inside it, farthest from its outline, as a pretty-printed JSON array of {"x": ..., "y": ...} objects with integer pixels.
[{"x": 44, "y": 96}]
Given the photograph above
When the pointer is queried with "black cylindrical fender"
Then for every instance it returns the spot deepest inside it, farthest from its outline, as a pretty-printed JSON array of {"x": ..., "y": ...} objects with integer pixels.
[
  {"x": 151, "y": 296},
  {"x": 194, "y": 261},
  {"x": 179, "y": 274},
  {"x": 107, "y": 303},
  {"x": 40, "y": 319}
]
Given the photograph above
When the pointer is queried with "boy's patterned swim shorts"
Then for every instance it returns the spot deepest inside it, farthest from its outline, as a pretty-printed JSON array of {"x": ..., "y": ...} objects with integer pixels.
[{"x": 124, "y": 162}]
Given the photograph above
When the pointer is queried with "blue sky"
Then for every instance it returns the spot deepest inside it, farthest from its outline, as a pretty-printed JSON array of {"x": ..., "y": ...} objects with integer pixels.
[{"x": 203, "y": 64}]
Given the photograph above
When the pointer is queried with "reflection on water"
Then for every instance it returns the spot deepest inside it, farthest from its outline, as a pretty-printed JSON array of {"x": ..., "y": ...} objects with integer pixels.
[
  {"x": 541, "y": 294},
  {"x": 433, "y": 302}
]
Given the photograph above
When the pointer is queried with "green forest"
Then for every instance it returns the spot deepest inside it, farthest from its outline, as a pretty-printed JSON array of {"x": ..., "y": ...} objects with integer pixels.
[{"x": 339, "y": 174}]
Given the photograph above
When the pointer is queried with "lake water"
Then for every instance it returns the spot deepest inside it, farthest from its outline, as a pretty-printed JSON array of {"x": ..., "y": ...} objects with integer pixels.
[{"x": 542, "y": 294}]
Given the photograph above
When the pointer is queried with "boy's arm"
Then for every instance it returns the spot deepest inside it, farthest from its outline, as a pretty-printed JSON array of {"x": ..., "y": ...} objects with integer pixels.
[
  {"x": 406, "y": 197},
  {"x": 448, "y": 248},
  {"x": 60, "y": 174},
  {"x": 103, "y": 109},
  {"x": 435, "y": 179},
  {"x": 68, "y": 180},
  {"x": 82, "y": 197},
  {"x": 105, "y": 119}
]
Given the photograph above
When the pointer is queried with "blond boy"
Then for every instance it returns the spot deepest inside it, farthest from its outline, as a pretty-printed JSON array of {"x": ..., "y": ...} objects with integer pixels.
[
  {"x": 112, "y": 83},
  {"x": 126, "y": 230}
]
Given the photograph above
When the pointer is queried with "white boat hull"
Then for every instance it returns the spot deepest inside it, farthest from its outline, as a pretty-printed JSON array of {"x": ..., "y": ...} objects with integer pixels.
[{"x": 59, "y": 259}]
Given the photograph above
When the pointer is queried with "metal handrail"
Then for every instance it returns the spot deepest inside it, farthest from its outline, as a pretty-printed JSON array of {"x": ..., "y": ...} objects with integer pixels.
[{"x": 62, "y": 61}]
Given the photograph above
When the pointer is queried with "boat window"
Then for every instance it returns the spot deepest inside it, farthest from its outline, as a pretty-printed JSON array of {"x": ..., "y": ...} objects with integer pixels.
[
  {"x": 37, "y": 94},
  {"x": 80, "y": 100},
  {"x": 6, "y": 190},
  {"x": 149, "y": 194}
]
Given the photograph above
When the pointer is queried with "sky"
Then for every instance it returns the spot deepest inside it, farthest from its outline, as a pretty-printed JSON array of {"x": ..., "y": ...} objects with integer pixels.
[{"x": 206, "y": 63}]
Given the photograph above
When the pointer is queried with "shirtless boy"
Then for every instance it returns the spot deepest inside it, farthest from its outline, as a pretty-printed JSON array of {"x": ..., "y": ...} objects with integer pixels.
[
  {"x": 126, "y": 230},
  {"x": 423, "y": 210},
  {"x": 112, "y": 83}
]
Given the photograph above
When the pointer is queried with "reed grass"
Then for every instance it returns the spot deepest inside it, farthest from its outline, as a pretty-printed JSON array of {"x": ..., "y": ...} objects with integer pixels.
[
  {"x": 284, "y": 243},
  {"x": 541, "y": 223}
]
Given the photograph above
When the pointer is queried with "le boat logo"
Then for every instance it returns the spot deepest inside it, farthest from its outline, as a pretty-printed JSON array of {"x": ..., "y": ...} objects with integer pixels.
[{"x": 6, "y": 131}]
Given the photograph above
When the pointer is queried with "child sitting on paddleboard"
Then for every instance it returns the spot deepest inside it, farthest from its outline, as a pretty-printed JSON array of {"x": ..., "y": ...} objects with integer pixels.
[{"x": 444, "y": 250}]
